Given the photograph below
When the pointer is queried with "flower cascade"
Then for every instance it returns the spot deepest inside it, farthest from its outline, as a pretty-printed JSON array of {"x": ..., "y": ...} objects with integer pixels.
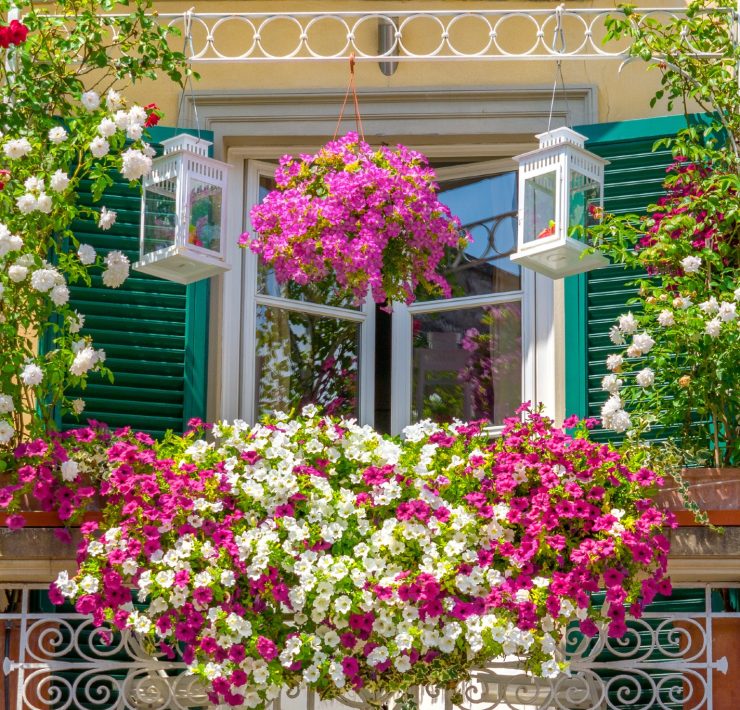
[
  {"x": 681, "y": 345},
  {"x": 367, "y": 219},
  {"x": 315, "y": 551}
]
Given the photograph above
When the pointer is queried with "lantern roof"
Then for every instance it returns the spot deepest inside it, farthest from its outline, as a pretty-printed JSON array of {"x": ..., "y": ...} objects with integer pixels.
[
  {"x": 183, "y": 142},
  {"x": 556, "y": 140}
]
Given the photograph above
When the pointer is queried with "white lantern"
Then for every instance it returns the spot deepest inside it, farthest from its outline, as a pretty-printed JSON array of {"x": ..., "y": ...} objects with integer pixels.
[
  {"x": 183, "y": 215},
  {"x": 560, "y": 186}
]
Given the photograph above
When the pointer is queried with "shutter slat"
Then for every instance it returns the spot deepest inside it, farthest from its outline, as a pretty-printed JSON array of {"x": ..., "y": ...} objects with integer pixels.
[{"x": 142, "y": 326}]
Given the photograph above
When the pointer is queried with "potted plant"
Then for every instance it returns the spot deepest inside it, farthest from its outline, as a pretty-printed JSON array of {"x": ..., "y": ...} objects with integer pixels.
[
  {"x": 676, "y": 361},
  {"x": 364, "y": 220}
]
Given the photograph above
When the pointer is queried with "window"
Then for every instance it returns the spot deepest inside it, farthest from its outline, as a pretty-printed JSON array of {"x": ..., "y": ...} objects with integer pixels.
[{"x": 459, "y": 357}]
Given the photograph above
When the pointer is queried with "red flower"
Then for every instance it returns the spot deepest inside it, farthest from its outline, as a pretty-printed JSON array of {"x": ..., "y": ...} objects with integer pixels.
[
  {"x": 17, "y": 32},
  {"x": 153, "y": 115},
  {"x": 5, "y": 37}
]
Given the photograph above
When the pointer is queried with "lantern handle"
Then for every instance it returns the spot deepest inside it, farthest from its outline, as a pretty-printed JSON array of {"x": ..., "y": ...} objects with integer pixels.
[
  {"x": 558, "y": 47},
  {"x": 189, "y": 51},
  {"x": 351, "y": 88}
]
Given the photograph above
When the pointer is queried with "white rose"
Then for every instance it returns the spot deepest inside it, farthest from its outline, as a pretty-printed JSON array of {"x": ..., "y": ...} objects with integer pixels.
[
  {"x": 691, "y": 264},
  {"x": 614, "y": 362},
  {"x": 43, "y": 203},
  {"x": 135, "y": 164},
  {"x": 17, "y": 148},
  {"x": 99, "y": 147},
  {"x": 17, "y": 273},
  {"x": 713, "y": 328},
  {"x": 60, "y": 294},
  {"x": 77, "y": 406},
  {"x": 76, "y": 322},
  {"x": 137, "y": 116},
  {"x": 6, "y": 431},
  {"x": 645, "y": 378},
  {"x": 59, "y": 181},
  {"x": 727, "y": 311},
  {"x": 6, "y": 404},
  {"x": 32, "y": 375},
  {"x": 611, "y": 384},
  {"x": 134, "y": 131},
  {"x": 642, "y": 343},
  {"x": 113, "y": 101},
  {"x": 90, "y": 100},
  {"x": 107, "y": 218},
  {"x": 57, "y": 135},
  {"x": 107, "y": 128},
  {"x": 26, "y": 203},
  {"x": 34, "y": 184},
  {"x": 627, "y": 323},
  {"x": 87, "y": 254},
  {"x": 666, "y": 318}
]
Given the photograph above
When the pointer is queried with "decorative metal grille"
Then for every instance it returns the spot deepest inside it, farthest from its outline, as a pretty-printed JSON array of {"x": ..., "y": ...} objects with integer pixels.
[
  {"x": 409, "y": 35},
  {"x": 60, "y": 661}
]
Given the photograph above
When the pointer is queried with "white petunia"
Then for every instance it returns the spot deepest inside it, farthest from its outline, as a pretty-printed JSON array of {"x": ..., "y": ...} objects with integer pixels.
[
  {"x": 135, "y": 164},
  {"x": 32, "y": 375},
  {"x": 691, "y": 264},
  {"x": 57, "y": 135},
  {"x": 645, "y": 378},
  {"x": 107, "y": 218},
  {"x": 666, "y": 318},
  {"x": 7, "y": 431},
  {"x": 614, "y": 362},
  {"x": 87, "y": 254},
  {"x": 627, "y": 323},
  {"x": 59, "y": 181},
  {"x": 90, "y": 100},
  {"x": 59, "y": 294},
  {"x": 6, "y": 404},
  {"x": 713, "y": 328},
  {"x": 70, "y": 470},
  {"x": 99, "y": 147},
  {"x": 227, "y": 578},
  {"x": 17, "y": 148}
]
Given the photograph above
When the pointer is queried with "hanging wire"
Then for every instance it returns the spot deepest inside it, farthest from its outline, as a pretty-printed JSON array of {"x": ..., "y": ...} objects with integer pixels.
[
  {"x": 189, "y": 51},
  {"x": 351, "y": 88},
  {"x": 559, "y": 46}
]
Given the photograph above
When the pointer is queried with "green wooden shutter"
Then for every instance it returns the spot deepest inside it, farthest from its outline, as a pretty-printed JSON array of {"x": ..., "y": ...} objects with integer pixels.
[
  {"x": 153, "y": 331},
  {"x": 594, "y": 300}
]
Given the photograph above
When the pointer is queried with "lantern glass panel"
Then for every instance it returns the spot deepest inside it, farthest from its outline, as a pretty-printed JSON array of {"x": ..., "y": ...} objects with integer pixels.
[
  {"x": 160, "y": 216},
  {"x": 205, "y": 215},
  {"x": 584, "y": 195},
  {"x": 540, "y": 193}
]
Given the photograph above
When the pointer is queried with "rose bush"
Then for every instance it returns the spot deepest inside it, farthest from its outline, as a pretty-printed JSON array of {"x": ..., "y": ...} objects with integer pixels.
[
  {"x": 366, "y": 220},
  {"x": 63, "y": 133},
  {"x": 315, "y": 551}
]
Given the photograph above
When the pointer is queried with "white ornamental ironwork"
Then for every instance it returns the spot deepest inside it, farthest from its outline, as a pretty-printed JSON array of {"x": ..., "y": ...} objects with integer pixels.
[
  {"x": 390, "y": 36},
  {"x": 62, "y": 661}
]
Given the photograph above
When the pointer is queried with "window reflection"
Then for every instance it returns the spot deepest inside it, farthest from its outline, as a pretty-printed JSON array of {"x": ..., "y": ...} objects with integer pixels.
[
  {"x": 303, "y": 359},
  {"x": 486, "y": 207},
  {"x": 468, "y": 363}
]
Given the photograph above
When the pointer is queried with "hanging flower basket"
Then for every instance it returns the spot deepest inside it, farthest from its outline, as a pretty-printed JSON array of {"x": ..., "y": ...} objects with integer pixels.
[{"x": 367, "y": 220}]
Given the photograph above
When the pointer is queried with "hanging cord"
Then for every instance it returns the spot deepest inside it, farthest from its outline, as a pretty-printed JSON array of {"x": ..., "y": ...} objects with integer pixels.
[
  {"x": 558, "y": 45},
  {"x": 189, "y": 52},
  {"x": 351, "y": 88}
]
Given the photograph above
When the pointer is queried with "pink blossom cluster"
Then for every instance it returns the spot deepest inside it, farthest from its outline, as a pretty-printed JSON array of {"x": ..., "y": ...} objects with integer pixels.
[
  {"x": 316, "y": 551},
  {"x": 57, "y": 474},
  {"x": 367, "y": 219}
]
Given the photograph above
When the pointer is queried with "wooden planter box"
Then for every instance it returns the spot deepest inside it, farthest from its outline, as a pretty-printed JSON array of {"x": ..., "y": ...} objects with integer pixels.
[{"x": 715, "y": 490}]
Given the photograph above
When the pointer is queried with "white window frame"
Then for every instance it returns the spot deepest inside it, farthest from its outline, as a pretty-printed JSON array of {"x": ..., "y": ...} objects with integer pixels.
[
  {"x": 234, "y": 373},
  {"x": 402, "y": 355}
]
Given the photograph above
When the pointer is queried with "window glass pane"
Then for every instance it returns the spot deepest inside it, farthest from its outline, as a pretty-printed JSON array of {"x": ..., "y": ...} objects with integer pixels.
[
  {"x": 486, "y": 206},
  {"x": 267, "y": 283},
  {"x": 539, "y": 201},
  {"x": 303, "y": 359},
  {"x": 468, "y": 363}
]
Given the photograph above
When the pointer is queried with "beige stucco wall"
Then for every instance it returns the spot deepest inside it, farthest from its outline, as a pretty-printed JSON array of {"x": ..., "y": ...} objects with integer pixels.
[{"x": 620, "y": 94}]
